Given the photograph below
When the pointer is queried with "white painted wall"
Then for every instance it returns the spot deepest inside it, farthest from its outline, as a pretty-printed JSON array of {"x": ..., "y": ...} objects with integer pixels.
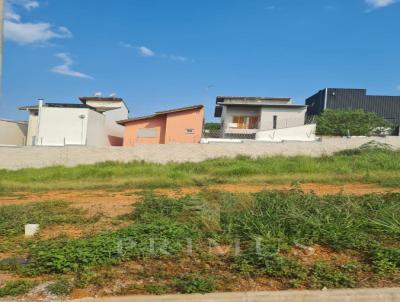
[
  {"x": 32, "y": 129},
  {"x": 301, "y": 133},
  {"x": 12, "y": 133},
  {"x": 59, "y": 126},
  {"x": 62, "y": 125},
  {"x": 286, "y": 117},
  {"x": 114, "y": 115},
  {"x": 96, "y": 129}
]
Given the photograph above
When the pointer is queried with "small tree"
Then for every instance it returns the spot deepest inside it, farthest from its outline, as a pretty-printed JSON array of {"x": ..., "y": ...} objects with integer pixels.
[
  {"x": 212, "y": 126},
  {"x": 351, "y": 122}
]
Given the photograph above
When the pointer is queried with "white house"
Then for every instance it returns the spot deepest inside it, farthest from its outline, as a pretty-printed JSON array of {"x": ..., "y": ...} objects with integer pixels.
[
  {"x": 114, "y": 110},
  {"x": 61, "y": 124},
  {"x": 13, "y": 133},
  {"x": 263, "y": 118}
]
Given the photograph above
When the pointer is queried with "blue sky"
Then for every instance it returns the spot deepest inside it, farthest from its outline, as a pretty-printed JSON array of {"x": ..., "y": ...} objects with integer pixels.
[{"x": 159, "y": 54}]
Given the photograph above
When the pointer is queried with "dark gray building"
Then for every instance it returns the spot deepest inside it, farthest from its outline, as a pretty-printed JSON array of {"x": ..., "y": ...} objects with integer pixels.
[{"x": 387, "y": 107}]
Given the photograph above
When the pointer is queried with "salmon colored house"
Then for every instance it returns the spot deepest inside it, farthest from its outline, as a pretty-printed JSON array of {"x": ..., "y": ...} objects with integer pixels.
[{"x": 181, "y": 125}]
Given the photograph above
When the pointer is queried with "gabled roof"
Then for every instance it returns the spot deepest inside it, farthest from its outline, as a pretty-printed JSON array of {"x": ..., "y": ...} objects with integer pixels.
[
  {"x": 85, "y": 99},
  {"x": 253, "y": 101},
  {"x": 100, "y": 99},
  {"x": 254, "y": 104},
  {"x": 158, "y": 113},
  {"x": 252, "y": 98},
  {"x": 58, "y": 105}
]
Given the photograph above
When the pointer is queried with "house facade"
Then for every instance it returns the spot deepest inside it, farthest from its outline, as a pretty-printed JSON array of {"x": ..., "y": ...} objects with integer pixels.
[
  {"x": 180, "y": 125},
  {"x": 387, "y": 107},
  {"x": 247, "y": 116},
  {"x": 13, "y": 133},
  {"x": 63, "y": 124},
  {"x": 114, "y": 109}
]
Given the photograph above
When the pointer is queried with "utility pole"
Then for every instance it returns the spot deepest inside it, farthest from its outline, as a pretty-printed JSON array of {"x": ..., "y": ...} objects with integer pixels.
[{"x": 1, "y": 43}]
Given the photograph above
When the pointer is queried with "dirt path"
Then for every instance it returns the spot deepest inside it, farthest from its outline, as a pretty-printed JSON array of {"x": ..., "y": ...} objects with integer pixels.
[{"x": 118, "y": 203}]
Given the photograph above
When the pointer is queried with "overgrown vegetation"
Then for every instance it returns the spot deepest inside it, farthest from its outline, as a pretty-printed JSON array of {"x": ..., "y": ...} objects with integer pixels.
[
  {"x": 189, "y": 284},
  {"x": 372, "y": 165},
  {"x": 327, "y": 275},
  {"x": 61, "y": 287},
  {"x": 16, "y": 288},
  {"x": 46, "y": 214},
  {"x": 14, "y": 217},
  {"x": 262, "y": 229},
  {"x": 137, "y": 241},
  {"x": 351, "y": 122},
  {"x": 212, "y": 126}
]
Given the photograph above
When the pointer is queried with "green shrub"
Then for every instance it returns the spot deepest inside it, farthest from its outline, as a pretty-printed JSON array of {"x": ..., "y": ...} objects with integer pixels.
[
  {"x": 61, "y": 287},
  {"x": 212, "y": 126},
  {"x": 350, "y": 122},
  {"x": 156, "y": 289},
  {"x": 16, "y": 288},
  {"x": 189, "y": 284},
  {"x": 264, "y": 259},
  {"x": 326, "y": 275},
  {"x": 386, "y": 260}
]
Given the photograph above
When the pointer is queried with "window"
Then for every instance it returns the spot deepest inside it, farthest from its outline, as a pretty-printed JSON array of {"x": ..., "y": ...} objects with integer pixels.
[
  {"x": 146, "y": 133},
  {"x": 253, "y": 122},
  {"x": 246, "y": 122}
]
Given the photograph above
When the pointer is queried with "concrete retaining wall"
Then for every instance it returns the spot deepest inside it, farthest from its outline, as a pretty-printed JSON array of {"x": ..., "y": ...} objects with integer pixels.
[
  {"x": 341, "y": 295},
  {"x": 17, "y": 158}
]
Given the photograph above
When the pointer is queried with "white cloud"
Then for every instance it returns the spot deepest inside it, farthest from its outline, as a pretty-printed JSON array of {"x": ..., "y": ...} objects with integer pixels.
[
  {"x": 33, "y": 33},
  {"x": 127, "y": 45},
  {"x": 65, "y": 68},
  {"x": 380, "y": 3},
  {"x": 11, "y": 15},
  {"x": 26, "y": 32},
  {"x": 178, "y": 58},
  {"x": 142, "y": 50},
  {"x": 27, "y": 4},
  {"x": 146, "y": 52}
]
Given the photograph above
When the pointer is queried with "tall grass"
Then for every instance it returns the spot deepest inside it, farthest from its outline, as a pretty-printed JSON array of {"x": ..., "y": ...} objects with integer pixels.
[
  {"x": 268, "y": 225},
  {"x": 370, "y": 166}
]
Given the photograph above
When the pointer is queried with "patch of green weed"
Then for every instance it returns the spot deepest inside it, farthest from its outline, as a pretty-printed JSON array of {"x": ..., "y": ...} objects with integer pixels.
[
  {"x": 156, "y": 289},
  {"x": 189, "y": 284},
  {"x": 14, "y": 217},
  {"x": 61, "y": 287},
  {"x": 16, "y": 288},
  {"x": 326, "y": 275}
]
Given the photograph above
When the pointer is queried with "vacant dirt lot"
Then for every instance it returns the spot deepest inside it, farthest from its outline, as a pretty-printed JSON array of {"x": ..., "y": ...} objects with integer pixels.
[
  {"x": 108, "y": 211},
  {"x": 113, "y": 204}
]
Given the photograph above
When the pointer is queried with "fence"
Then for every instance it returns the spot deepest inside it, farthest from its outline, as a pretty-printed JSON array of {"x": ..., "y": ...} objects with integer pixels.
[
  {"x": 220, "y": 133},
  {"x": 238, "y": 133}
]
